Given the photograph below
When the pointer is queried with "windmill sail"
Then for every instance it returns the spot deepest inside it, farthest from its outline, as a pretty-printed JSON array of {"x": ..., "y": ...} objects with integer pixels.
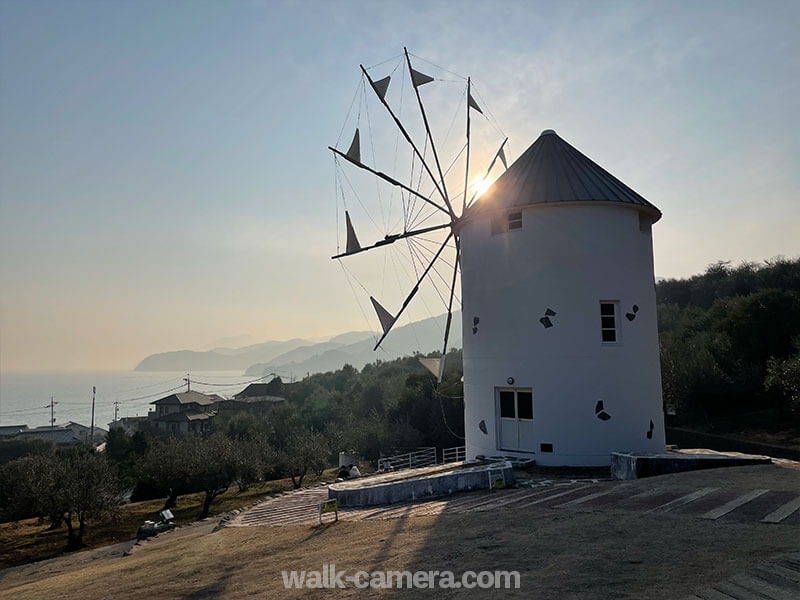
[
  {"x": 501, "y": 153},
  {"x": 434, "y": 365},
  {"x": 427, "y": 160},
  {"x": 473, "y": 104},
  {"x": 382, "y": 85},
  {"x": 354, "y": 153},
  {"x": 385, "y": 317},
  {"x": 352, "y": 240},
  {"x": 420, "y": 78}
]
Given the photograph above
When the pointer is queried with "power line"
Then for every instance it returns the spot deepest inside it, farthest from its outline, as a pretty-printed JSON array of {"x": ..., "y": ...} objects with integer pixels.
[
  {"x": 151, "y": 395},
  {"x": 236, "y": 383}
]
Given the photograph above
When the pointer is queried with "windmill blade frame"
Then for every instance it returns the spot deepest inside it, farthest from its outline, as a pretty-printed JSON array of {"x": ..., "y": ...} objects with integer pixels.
[{"x": 353, "y": 156}]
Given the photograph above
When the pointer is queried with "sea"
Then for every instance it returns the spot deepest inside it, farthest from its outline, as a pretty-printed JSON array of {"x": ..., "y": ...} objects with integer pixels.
[{"x": 25, "y": 396}]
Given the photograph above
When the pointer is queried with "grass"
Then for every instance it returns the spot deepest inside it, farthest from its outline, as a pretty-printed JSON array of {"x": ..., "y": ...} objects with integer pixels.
[
  {"x": 29, "y": 540},
  {"x": 577, "y": 553}
]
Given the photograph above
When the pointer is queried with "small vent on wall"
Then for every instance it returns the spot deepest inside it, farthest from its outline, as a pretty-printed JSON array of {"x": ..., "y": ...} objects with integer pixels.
[{"x": 546, "y": 447}]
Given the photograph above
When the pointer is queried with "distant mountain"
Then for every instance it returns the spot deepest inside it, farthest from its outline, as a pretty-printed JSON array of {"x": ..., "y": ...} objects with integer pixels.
[
  {"x": 235, "y": 341},
  {"x": 301, "y": 356},
  {"x": 220, "y": 359},
  {"x": 421, "y": 336}
]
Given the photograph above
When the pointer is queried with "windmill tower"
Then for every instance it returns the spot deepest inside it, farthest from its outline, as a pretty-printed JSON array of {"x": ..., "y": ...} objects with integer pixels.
[
  {"x": 561, "y": 359},
  {"x": 558, "y": 303}
]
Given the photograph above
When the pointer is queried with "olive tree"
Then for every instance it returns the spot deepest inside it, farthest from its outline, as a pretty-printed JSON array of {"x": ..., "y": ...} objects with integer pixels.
[
  {"x": 68, "y": 487},
  {"x": 308, "y": 450},
  {"x": 213, "y": 467}
]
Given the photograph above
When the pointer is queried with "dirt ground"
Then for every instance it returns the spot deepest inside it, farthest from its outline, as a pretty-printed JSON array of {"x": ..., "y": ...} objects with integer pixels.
[{"x": 592, "y": 553}]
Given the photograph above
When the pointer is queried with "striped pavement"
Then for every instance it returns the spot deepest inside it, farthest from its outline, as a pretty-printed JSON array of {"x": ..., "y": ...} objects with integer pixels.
[
  {"x": 770, "y": 507},
  {"x": 775, "y": 579}
]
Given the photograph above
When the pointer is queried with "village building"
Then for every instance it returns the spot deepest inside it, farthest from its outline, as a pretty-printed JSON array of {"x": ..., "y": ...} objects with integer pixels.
[
  {"x": 129, "y": 425},
  {"x": 84, "y": 433},
  {"x": 9, "y": 431},
  {"x": 61, "y": 436},
  {"x": 256, "y": 398},
  {"x": 187, "y": 413}
]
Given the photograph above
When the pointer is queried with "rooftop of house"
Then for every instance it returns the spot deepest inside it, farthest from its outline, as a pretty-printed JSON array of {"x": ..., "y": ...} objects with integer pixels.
[
  {"x": 180, "y": 417},
  {"x": 7, "y": 430},
  {"x": 45, "y": 429},
  {"x": 257, "y": 390},
  {"x": 189, "y": 398},
  {"x": 256, "y": 399},
  {"x": 60, "y": 435}
]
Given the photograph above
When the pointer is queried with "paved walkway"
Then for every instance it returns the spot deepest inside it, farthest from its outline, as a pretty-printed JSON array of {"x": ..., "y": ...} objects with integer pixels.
[{"x": 770, "y": 507}]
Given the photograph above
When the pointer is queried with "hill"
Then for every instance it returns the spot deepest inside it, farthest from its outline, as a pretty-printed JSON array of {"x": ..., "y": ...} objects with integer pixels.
[
  {"x": 420, "y": 336},
  {"x": 219, "y": 359},
  {"x": 301, "y": 356}
]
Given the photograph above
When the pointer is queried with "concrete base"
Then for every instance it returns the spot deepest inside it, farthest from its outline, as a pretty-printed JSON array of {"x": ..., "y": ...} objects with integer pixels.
[
  {"x": 636, "y": 466},
  {"x": 418, "y": 484}
]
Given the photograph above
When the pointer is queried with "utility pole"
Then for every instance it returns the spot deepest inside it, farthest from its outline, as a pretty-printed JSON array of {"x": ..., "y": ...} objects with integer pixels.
[
  {"x": 188, "y": 383},
  {"x": 91, "y": 435},
  {"x": 52, "y": 415},
  {"x": 116, "y": 410}
]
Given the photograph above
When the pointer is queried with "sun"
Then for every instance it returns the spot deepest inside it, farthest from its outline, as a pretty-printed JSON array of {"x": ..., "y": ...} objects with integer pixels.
[{"x": 480, "y": 185}]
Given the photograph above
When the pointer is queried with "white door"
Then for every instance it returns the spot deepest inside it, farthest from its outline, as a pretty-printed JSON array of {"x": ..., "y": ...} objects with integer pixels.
[{"x": 515, "y": 408}]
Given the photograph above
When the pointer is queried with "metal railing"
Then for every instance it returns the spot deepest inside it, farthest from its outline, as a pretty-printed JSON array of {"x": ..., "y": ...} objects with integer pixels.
[
  {"x": 455, "y": 454},
  {"x": 421, "y": 457}
]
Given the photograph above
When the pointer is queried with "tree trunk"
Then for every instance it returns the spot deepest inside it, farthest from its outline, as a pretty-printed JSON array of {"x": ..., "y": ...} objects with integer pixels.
[
  {"x": 300, "y": 478},
  {"x": 81, "y": 528},
  {"x": 70, "y": 533},
  {"x": 172, "y": 499},
  {"x": 55, "y": 522},
  {"x": 207, "y": 504}
]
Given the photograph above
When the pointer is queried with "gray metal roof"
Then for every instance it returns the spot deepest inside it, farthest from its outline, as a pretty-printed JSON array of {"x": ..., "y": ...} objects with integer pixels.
[
  {"x": 551, "y": 170},
  {"x": 189, "y": 398}
]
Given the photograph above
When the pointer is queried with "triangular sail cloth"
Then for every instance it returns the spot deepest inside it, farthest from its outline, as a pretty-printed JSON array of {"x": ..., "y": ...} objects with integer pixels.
[
  {"x": 502, "y": 156},
  {"x": 434, "y": 365},
  {"x": 419, "y": 79},
  {"x": 385, "y": 317},
  {"x": 382, "y": 85},
  {"x": 354, "y": 153},
  {"x": 352, "y": 240},
  {"x": 473, "y": 104}
]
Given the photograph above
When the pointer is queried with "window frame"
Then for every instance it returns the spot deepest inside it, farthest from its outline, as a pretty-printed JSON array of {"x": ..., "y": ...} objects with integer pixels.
[
  {"x": 516, "y": 391},
  {"x": 500, "y": 223},
  {"x": 616, "y": 328}
]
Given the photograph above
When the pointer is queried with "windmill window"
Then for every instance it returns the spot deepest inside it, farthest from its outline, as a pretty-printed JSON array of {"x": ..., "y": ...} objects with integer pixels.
[
  {"x": 608, "y": 322},
  {"x": 507, "y": 408},
  {"x": 524, "y": 405},
  {"x": 515, "y": 220}
]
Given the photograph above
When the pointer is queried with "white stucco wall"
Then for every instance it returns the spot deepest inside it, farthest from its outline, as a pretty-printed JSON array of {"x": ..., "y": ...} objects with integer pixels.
[{"x": 567, "y": 258}]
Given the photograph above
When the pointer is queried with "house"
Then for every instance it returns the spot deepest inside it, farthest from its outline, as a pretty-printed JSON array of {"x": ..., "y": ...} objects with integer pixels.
[
  {"x": 259, "y": 392},
  {"x": 129, "y": 425},
  {"x": 9, "y": 431},
  {"x": 61, "y": 436},
  {"x": 83, "y": 433},
  {"x": 256, "y": 398},
  {"x": 187, "y": 413}
]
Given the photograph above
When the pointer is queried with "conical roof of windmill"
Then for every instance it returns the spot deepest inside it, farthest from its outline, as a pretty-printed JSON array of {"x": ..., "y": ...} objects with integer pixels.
[{"x": 552, "y": 170}]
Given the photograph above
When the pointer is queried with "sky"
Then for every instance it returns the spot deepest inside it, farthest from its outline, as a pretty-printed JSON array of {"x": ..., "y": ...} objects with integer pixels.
[{"x": 165, "y": 181}]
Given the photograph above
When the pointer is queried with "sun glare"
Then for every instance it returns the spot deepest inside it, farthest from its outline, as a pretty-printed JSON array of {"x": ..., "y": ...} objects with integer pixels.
[{"x": 480, "y": 185}]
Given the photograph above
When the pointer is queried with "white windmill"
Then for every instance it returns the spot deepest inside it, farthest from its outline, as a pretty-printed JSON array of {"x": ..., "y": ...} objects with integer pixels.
[{"x": 559, "y": 324}]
